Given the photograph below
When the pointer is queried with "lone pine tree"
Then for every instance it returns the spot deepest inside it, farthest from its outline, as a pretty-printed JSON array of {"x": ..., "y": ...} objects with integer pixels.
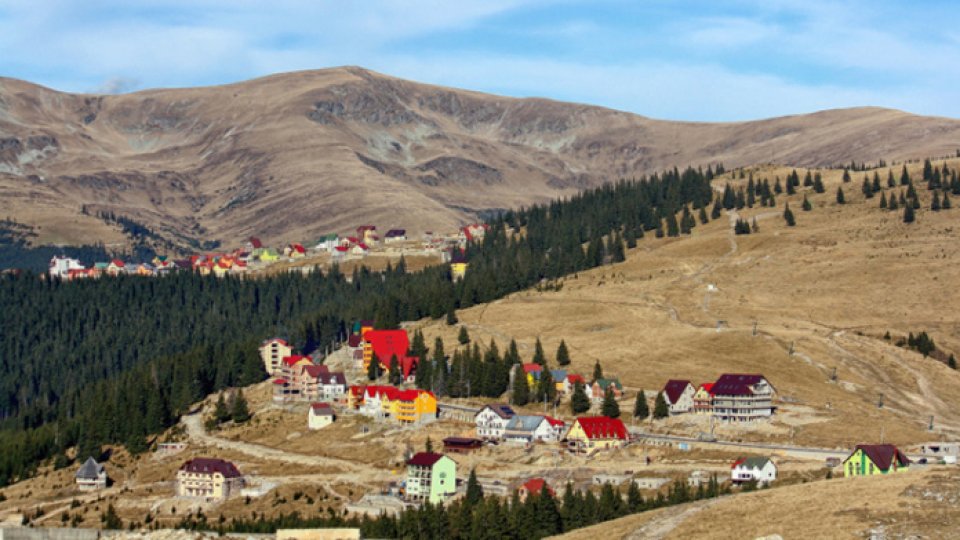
[
  {"x": 788, "y": 216},
  {"x": 610, "y": 406},
  {"x": 660, "y": 408},
  {"x": 840, "y": 198},
  {"x": 640, "y": 409},
  {"x": 563, "y": 355},
  {"x": 806, "y": 206},
  {"x": 579, "y": 402}
]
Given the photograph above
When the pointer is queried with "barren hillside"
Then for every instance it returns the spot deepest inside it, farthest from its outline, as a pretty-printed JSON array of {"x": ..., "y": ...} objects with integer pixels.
[{"x": 294, "y": 155}]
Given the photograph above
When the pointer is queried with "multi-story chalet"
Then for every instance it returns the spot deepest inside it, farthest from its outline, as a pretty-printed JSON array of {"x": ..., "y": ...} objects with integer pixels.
[
  {"x": 318, "y": 383},
  {"x": 527, "y": 429},
  {"x": 60, "y": 267},
  {"x": 430, "y": 477},
  {"x": 592, "y": 433},
  {"x": 272, "y": 352},
  {"x": 91, "y": 476},
  {"x": 208, "y": 478},
  {"x": 703, "y": 399},
  {"x": 741, "y": 397},
  {"x": 679, "y": 396},
  {"x": 492, "y": 420},
  {"x": 415, "y": 407}
]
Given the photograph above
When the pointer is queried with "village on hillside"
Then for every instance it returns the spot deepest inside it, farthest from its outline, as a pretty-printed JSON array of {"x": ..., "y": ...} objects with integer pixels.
[{"x": 254, "y": 256}]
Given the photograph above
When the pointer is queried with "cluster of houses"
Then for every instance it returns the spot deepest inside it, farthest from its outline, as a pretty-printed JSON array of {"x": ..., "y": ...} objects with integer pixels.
[
  {"x": 566, "y": 382},
  {"x": 367, "y": 344},
  {"x": 734, "y": 397},
  {"x": 299, "y": 378},
  {"x": 381, "y": 402},
  {"x": 586, "y": 435}
]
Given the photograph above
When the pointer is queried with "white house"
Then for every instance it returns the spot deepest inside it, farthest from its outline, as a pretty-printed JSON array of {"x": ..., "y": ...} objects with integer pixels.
[
  {"x": 332, "y": 386},
  {"x": 679, "y": 396},
  {"x": 492, "y": 420},
  {"x": 526, "y": 429},
  {"x": 91, "y": 476},
  {"x": 60, "y": 267},
  {"x": 760, "y": 469},
  {"x": 320, "y": 416}
]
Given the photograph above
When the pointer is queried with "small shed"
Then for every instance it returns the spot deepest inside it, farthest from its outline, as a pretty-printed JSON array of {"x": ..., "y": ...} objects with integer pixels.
[
  {"x": 91, "y": 476},
  {"x": 461, "y": 445}
]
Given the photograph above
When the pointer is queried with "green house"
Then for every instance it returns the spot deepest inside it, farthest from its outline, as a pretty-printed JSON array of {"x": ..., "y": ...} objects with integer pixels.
[
  {"x": 430, "y": 477},
  {"x": 871, "y": 459}
]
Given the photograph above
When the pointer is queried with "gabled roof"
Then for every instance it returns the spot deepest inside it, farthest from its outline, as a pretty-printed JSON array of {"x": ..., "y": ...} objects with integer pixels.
[
  {"x": 535, "y": 486},
  {"x": 354, "y": 340},
  {"x": 707, "y": 387},
  {"x": 321, "y": 409},
  {"x": 882, "y": 455},
  {"x": 387, "y": 343},
  {"x": 674, "y": 389},
  {"x": 555, "y": 422},
  {"x": 298, "y": 248},
  {"x": 576, "y": 378},
  {"x": 90, "y": 470},
  {"x": 333, "y": 377},
  {"x": 736, "y": 384},
  {"x": 604, "y": 383},
  {"x": 294, "y": 359},
  {"x": 602, "y": 427},
  {"x": 424, "y": 459},
  {"x": 211, "y": 465},
  {"x": 752, "y": 463},
  {"x": 255, "y": 242},
  {"x": 523, "y": 422},
  {"x": 500, "y": 409},
  {"x": 395, "y": 233},
  {"x": 281, "y": 341},
  {"x": 532, "y": 367},
  {"x": 412, "y": 395},
  {"x": 458, "y": 257},
  {"x": 316, "y": 372}
]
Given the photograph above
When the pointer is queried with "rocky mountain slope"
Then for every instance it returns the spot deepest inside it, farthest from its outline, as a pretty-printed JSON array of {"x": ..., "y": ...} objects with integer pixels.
[{"x": 294, "y": 155}]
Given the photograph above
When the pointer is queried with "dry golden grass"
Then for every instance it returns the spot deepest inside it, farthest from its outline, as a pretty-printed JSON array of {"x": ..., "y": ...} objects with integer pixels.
[{"x": 831, "y": 287}]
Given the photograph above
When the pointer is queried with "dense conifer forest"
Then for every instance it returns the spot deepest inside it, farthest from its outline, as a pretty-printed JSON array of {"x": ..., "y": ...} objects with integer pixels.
[{"x": 117, "y": 360}]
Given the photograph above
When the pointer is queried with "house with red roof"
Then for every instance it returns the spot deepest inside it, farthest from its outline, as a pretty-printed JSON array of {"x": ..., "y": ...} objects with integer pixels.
[
  {"x": 679, "y": 395},
  {"x": 387, "y": 344},
  {"x": 320, "y": 416},
  {"x": 740, "y": 397},
  {"x": 703, "y": 399},
  {"x": 570, "y": 381},
  {"x": 209, "y": 479},
  {"x": 590, "y": 434},
  {"x": 116, "y": 267},
  {"x": 757, "y": 469},
  {"x": 534, "y": 486},
  {"x": 272, "y": 352},
  {"x": 367, "y": 234}
]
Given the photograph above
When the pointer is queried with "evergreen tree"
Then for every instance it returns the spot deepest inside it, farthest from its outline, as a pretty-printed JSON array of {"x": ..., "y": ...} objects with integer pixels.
[
  {"x": 452, "y": 316},
  {"x": 715, "y": 211},
  {"x": 788, "y": 216},
  {"x": 840, "y": 198},
  {"x": 806, "y": 206},
  {"x": 891, "y": 182},
  {"x": 892, "y": 203},
  {"x": 866, "y": 188},
  {"x": 908, "y": 216},
  {"x": 597, "y": 371},
  {"x": 538, "y": 356},
  {"x": 513, "y": 354},
  {"x": 660, "y": 408},
  {"x": 935, "y": 203},
  {"x": 373, "y": 369},
  {"x": 579, "y": 402},
  {"x": 547, "y": 387},
  {"x": 428, "y": 445},
  {"x": 672, "y": 228},
  {"x": 634, "y": 498},
  {"x": 395, "y": 376},
  {"x": 703, "y": 216},
  {"x": 563, "y": 355},
  {"x": 474, "y": 494},
  {"x": 818, "y": 185},
  {"x": 946, "y": 201},
  {"x": 876, "y": 182},
  {"x": 610, "y": 406},
  {"x": 777, "y": 188},
  {"x": 110, "y": 519},
  {"x": 463, "y": 337},
  {"x": 846, "y": 175},
  {"x": 658, "y": 233},
  {"x": 240, "y": 411},
  {"x": 221, "y": 413},
  {"x": 521, "y": 389},
  {"x": 641, "y": 410},
  {"x": 617, "y": 252},
  {"x": 754, "y": 226},
  {"x": 905, "y": 177}
]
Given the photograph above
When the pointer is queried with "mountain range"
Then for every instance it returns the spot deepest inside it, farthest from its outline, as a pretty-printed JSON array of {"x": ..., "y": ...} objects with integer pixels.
[{"x": 291, "y": 156}]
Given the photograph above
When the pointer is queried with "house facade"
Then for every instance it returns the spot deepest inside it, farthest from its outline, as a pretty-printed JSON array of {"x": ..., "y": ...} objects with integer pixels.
[
  {"x": 91, "y": 476},
  {"x": 492, "y": 420},
  {"x": 703, "y": 399},
  {"x": 415, "y": 407},
  {"x": 598, "y": 389},
  {"x": 593, "y": 433},
  {"x": 430, "y": 477},
  {"x": 527, "y": 429},
  {"x": 759, "y": 469},
  {"x": 272, "y": 352},
  {"x": 679, "y": 396},
  {"x": 871, "y": 459},
  {"x": 320, "y": 416},
  {"x": 208, "y": 478},
  {"x": 741, "y": 397}
]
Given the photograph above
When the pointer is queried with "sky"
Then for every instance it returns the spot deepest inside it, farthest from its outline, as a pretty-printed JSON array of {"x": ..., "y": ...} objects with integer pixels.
[{"x": 677, "y": 60}]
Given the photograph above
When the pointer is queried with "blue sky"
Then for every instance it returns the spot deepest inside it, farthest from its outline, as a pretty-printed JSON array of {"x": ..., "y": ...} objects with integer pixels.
[{"x": 683, "y": 60}]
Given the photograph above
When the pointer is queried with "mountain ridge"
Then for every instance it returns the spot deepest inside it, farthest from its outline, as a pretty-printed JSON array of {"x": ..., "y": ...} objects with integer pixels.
[{"x": 293, "y": 155}]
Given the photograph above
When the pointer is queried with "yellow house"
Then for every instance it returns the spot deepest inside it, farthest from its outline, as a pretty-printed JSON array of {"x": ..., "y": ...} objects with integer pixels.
[
  {"x": 269, "y": 255},
  {"x": 591, "y": 433},
  {"x": 871, "y": 459},
  {"x": 415, "y": 406},
  {"x": 458, "y": 270},
  {"x": 208, "y": 478}
]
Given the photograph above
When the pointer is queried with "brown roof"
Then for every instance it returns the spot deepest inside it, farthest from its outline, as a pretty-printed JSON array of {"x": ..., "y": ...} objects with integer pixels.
[
  {"x": 424, "y": 459},
  {"x": 211, "y": 465},
  {"x": 674, "y": 389},
  {"x": 882, "y": 455},
  {"x": 736, "y": 384}
]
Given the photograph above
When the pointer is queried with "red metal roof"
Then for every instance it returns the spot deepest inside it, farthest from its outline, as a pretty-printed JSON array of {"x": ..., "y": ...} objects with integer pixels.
[
  {"x": 527, "y": 368},
  {"x": 211, "y": 465},
  {"x": 736, "y": 384},
  {"x": 674, "y": 389},
  {"x": 535, "y": 486},
  {"x": 291, "y": 360},
  {"x": 424, "y": 459},
  {"x": 708, "y": 386},
  {"x": 554, "y": 422},
  {"x": 575, "y": 378},
  {"x": 387, "y": 343},
  {"x": 602, "y": 427}
]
